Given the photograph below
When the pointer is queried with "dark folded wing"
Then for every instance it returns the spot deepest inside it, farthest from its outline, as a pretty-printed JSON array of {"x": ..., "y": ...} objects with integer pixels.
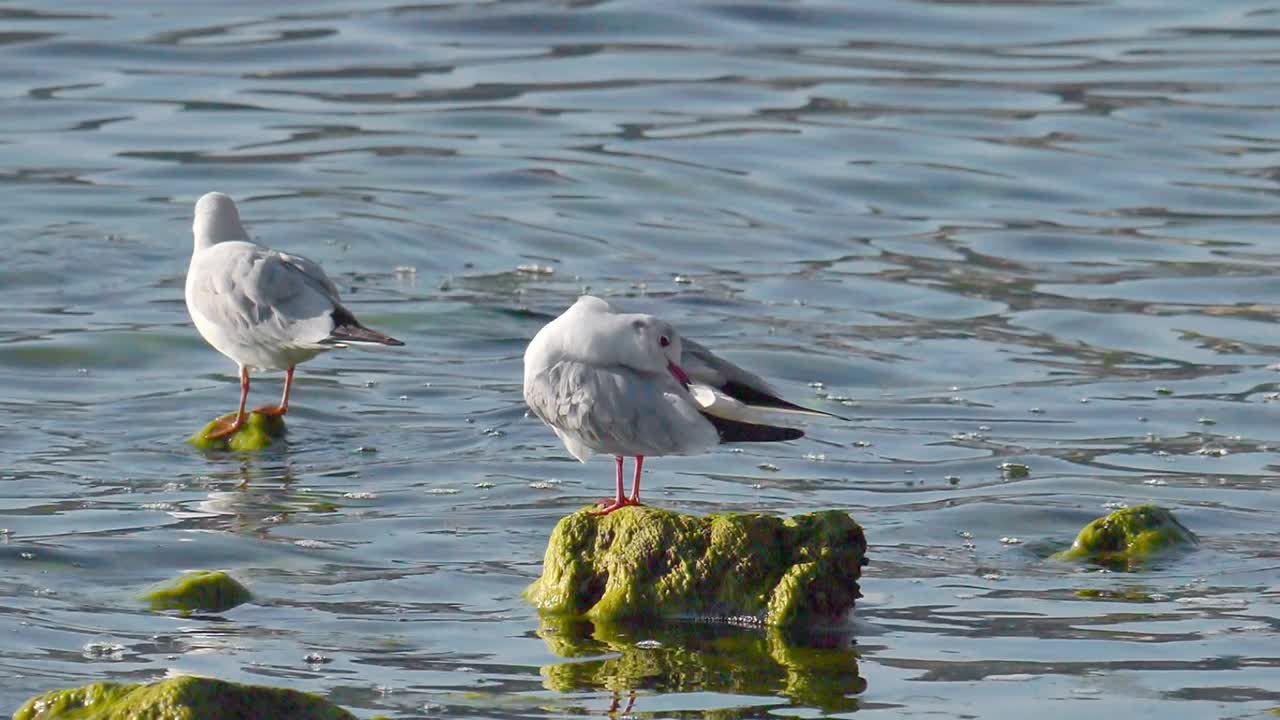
[
  {"x": 733, "y": 431},
  {"x": 706, "y": 367}
]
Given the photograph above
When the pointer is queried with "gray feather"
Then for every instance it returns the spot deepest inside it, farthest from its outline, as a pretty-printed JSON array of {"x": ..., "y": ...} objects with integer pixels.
[{"x": 617, "y": 411}]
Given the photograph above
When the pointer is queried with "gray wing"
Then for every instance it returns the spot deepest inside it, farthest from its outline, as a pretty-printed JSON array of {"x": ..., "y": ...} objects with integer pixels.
[
  {"x": 248, "y": 290},
  {"x": 310, "y": 272},
  {"x": 705, "y": 367},
  {"x": 617, "y": 411}
]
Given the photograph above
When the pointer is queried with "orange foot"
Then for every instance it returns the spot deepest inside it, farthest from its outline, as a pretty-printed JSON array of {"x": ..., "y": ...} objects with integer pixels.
[
  {"x": 224, "y": 428},
  {"x": 615, "y": 504},
  {"x": 271, "y": 410}
]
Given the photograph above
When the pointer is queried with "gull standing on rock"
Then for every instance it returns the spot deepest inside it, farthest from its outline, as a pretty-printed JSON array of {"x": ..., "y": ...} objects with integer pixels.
[
  {"x": 264, "y": 309},
  {"x": 627, "y": 384}
]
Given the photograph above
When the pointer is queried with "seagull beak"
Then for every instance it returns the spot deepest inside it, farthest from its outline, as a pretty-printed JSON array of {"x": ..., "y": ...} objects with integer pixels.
[{"x": 679, "y": 373}]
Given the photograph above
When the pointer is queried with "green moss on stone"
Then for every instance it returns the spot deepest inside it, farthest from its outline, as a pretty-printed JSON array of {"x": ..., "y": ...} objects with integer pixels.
[
  {"x": 813, "y": 670},
  {"x": 202, "y": 590},
  {"x": 181, "y": 698},
  {"x": 1014, "y": 471},
  {"x": 648, "y": 562},
  {"x": 1131, "y": 595},
  {"x": 1129, "y": 537},
  {"x": 258, "y": 433}
]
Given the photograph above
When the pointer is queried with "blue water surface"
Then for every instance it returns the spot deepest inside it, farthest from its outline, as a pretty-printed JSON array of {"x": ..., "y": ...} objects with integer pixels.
[{"x": 1039, "y": 232}]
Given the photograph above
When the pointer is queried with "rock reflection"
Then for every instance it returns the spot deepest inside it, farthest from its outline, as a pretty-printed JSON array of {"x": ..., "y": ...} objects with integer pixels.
[{"x": 817, "y": 669}]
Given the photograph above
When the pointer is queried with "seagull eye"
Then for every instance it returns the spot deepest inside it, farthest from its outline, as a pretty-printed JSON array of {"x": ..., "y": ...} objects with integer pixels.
[{"x": 664, "y": 341}]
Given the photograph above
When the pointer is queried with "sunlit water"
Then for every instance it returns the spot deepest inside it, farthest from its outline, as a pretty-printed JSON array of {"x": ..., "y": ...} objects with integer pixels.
[{"x": 1042, "y": 233}]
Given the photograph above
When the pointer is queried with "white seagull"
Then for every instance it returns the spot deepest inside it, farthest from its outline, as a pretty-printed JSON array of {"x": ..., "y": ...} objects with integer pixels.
[
  {"x": 264, "y": 309},
  {"x": 627, "y": 384}
]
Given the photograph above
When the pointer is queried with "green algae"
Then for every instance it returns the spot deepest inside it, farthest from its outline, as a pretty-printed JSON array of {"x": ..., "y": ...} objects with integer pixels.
[
  {"x": 1130, "y": 537},
  {"x": 1014, "y": 471},
  {"x": 1129, "y": 595},
  {"x": 258, "y": 433},
  {"x": 818, "y": 670},
  {"x": 181, "y": 698},
  {"x": 201, "y": 590},
  {"x": 647, "y": 562}
]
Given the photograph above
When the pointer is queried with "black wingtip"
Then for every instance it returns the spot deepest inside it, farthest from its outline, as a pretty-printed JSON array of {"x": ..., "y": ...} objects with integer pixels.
[
  {"x": 750, "y": 396},
  {"x": 735, "y": 431},
  {"x": 347, "y": 329},
  {"x": 360, "y": 335}
]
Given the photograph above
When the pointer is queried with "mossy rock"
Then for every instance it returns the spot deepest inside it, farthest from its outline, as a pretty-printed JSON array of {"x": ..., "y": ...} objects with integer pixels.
[
  {"x": 180, "y": 698},
  {"x": 817, "y": 670},
  {"x": 1130, "y": 537},
  {"x": 1129, "y": 595},
  {"x": 201, "y": 590},
  {"x": 647, "y": 562},
  {"x": 258, "y": 433}
]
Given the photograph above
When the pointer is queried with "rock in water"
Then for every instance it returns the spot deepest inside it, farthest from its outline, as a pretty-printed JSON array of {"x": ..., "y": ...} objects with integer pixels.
[
  {"x": 258, "y": 433},
  {"x": 647, "y": 562},
  {"x": 202, "y": 590},
  {"x": 1129, "y": 537},
  {"x": 181, "y": 698}
]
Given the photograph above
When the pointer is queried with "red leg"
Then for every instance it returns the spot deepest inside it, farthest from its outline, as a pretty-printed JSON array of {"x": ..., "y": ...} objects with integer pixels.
[
  {"x": 224, "y": 428},
  {"x": 618, "y": 496},
  {"x": 621, "y": 500},
  {"x": 635, "y": 480},
  {"x": 283, "y": 407}
]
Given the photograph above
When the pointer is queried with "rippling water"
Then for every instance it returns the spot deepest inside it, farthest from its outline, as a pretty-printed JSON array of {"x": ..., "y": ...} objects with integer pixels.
[{"x": 1039, "y": 232}]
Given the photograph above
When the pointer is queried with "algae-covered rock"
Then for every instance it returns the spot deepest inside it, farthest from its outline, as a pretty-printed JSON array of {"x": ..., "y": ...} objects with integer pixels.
[
  {"x": 813, "y": 670},
  {"x": 1129, "y": 537},
  {"x": 1129, "y": 595},
  {"x": 201, "y": 590},
  {"x": 647, "y": 562},
  {"x": 180, "y": 698},
  {"x": 258, "y": 433}
]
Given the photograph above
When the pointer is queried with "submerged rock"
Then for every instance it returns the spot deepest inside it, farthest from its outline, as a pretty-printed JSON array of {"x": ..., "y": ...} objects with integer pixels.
[
  {"x": 818, "y": 670},
  {"x": 647, "y": 562},
  {"x": 258, "y": 433},
  {"x": 1129, "y": 595},
  {"x": 201, "y": 590},
  {"x": 1129, "y": 537},
  {"x": 181, "y": 698}
]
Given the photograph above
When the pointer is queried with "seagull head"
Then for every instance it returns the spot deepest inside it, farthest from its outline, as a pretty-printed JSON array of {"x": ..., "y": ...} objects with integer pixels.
[
  {"x": 659, "y": 347},
  {"x": 216, "y": 220}
]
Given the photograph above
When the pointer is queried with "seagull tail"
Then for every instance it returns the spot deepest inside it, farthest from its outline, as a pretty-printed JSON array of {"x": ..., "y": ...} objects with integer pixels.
[
  {"x": 734, "y": 431},
  {"x": 348, "y": 331}
]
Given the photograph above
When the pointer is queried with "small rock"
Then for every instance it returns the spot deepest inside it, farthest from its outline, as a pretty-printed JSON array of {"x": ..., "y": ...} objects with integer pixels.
[
  {"x": 1014, "y": 471},
  {"x": 188, "y": 697},
  {"x": 202, "y": 590}
]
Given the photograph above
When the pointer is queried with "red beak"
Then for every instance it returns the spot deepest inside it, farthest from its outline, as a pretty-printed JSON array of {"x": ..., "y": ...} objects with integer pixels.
[{"x": 679, "y": 373}]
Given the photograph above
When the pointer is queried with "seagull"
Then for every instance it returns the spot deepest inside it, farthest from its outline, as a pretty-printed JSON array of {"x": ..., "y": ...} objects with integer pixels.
[
  {"x": 627, "y": 384},
  {"x": 264, "y": 309}
]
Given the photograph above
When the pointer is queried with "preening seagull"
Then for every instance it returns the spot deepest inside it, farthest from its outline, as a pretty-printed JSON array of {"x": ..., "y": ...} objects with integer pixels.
[
  {"x": 264, "y": 309},
  {"x": 627, "y": 384}
]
